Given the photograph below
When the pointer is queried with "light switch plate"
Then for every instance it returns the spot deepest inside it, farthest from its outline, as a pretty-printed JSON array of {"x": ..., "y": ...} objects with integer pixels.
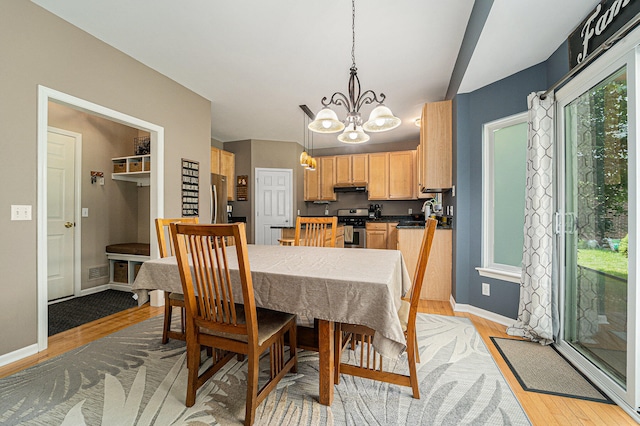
[
  {"x": 486, "y": 289},
  {"x": 20, "y": 212},
  {"x": 85, "y": 212}
]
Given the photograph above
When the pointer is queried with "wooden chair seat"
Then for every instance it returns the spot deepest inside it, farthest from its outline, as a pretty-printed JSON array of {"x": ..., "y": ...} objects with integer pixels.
[
  {"x": 269, "y": 323},
  {"x": 370, "y": 364}
]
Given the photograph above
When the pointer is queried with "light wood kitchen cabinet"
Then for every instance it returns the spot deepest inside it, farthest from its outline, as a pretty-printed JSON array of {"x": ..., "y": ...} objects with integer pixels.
[
  {"x": 378, "y": 185},
  {"x": 392, "y": 236},
  {"x": 437, "y": 279},
  {"x": 311, "y": 185},
  {"x": 376, "y": 235},
  {"x": 401, "y": 177},
  {"x": 435, "y": 144},
  {"x": 318, "y": 184},
  {"x": 228, "y": 169},
  {"x": 352, "y": 168},
  {"x": 327, "y": 178},
  {"x": 381, "y": 235},
  {"x": 224, "y": 163}
]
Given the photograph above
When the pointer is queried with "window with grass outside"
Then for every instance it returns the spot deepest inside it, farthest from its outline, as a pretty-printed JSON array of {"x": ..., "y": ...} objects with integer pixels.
[{"x": 504, "y": 186}]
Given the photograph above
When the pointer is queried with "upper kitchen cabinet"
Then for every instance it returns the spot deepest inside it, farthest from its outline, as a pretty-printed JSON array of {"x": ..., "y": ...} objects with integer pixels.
[
  {"x": 318, "y": 184},
  {"x": 391, "y": 175},
  {"x": 378, "y": 184},
  {"x": 327, "y": 169},
  {"x": 401, "y": 175},
  {"x": 352, "y": 169},
  {"x": 224, "y": 163},
  {"x": 435, "y": 147}
]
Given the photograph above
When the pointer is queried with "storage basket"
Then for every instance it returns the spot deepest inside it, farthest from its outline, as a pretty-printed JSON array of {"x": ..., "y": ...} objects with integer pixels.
[
  {"x": 135, "y": 166},
  {"x": 136, "y": 269},
  {"x": 119, "y": 167},
  {"x": 120, "y": 272}
]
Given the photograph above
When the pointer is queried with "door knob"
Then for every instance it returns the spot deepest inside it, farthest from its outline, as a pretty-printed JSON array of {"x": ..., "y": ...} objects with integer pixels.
[{"x": 68, "y": 224}]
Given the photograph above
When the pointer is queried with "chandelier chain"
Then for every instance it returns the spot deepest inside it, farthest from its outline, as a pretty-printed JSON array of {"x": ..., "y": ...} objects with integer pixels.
[{"x": 353, "y": 33}]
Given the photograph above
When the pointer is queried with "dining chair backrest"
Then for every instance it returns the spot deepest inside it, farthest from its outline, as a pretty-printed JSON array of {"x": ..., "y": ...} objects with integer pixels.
[
  {"x": 317, "y": 232},
  {"x": 163, "y": 232},
  {"x": 370, "y": 363},
  {"x": 203, "y": 259},
  {"x": 421, "y": 267}
]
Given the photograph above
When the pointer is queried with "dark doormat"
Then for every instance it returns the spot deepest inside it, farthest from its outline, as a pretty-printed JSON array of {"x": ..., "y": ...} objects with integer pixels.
[
  {"x": 543, "y": 369},
  {"x": 81, "y": 310}
]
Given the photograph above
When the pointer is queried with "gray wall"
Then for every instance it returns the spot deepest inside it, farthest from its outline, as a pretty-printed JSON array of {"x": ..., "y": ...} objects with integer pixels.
[
  {"x": 38, "y": 48},
  {"x": 500, "y": 99},
  {"x": 265, "y": 154}
]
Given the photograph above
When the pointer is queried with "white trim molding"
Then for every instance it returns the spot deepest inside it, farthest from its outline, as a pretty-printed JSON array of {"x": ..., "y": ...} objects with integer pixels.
[
  {"x": 482, "y": 313},
  {"x": 498, "y": 274},
  {"x": 19, "y": 354}
]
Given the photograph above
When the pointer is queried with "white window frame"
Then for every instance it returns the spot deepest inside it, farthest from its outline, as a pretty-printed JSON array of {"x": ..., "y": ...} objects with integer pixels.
[{"x": 489, "y": 267}]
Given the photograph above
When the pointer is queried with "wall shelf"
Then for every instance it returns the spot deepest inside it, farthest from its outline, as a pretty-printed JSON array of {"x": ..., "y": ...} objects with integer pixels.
[{"x": 136, "y": 168}]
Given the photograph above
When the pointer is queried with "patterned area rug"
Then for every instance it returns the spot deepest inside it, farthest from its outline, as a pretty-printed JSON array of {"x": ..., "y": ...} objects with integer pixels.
[{"x": 131, "y": 378}]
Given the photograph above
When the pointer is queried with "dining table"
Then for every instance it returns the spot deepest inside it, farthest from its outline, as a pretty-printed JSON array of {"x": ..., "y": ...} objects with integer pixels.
[{"x": 345, "y": 285}]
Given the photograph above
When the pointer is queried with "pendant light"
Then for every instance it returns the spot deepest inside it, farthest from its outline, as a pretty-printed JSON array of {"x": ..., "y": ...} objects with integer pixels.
[{"x": 381, "y": 118}]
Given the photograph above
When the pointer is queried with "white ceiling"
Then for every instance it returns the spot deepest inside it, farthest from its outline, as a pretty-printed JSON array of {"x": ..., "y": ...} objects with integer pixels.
[{"x": 257, "y": 60}]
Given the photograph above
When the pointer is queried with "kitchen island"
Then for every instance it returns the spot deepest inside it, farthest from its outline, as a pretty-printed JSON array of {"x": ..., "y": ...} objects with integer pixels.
[{"x": 437, "y": 278}]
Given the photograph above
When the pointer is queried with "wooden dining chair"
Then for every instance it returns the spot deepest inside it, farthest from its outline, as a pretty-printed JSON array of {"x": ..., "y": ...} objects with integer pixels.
[
  {"x": 318, "y": 231},
  {"x": 171, "y": 300},
  {"x": 215, "y": 320},
  {"x": 370, "y": 363}
]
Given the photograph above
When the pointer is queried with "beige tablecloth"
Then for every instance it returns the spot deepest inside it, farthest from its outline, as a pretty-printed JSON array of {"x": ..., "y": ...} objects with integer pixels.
[{"x": 356, "y": 286}]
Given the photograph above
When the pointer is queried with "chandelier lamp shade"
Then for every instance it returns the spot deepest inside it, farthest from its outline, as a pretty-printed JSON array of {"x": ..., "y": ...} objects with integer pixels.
[{"x": 381, "y": 118}]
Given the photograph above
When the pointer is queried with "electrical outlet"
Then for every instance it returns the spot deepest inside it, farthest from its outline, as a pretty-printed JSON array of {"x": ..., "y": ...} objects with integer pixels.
[
  {"x": 486, "y": 289},
  {"x": 298, "y": 212},
  {"x": 453, "y": 190},
  {"x": 410, "y": 211}
]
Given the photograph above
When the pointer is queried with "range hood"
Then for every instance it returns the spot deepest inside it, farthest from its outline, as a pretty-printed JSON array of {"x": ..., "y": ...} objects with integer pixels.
[{"x": 350, "y": 187}]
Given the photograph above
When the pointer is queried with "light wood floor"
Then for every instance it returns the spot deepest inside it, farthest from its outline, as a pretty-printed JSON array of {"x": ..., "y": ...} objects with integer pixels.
[{"x": 541, "y": 409}]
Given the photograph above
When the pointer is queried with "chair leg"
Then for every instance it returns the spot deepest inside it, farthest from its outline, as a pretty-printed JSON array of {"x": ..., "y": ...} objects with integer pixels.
[
  {"x": 167, "y": 319},
  {"x": 293, "y": 348},
  {"x": 337, "y": 353},
  {"x": 413, "y": 372},
  {"x": 417, "y": 350},
  {"x": 193, "y": 365},
  {"x": 252, "y": 389}
]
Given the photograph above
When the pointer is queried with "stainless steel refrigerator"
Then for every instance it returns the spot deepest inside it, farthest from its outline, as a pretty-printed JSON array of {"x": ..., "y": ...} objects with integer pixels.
[{"x": 218, "y": 198}]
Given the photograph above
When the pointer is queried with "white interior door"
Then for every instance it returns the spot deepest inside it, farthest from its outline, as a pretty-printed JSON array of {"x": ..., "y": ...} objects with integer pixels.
[
  {"x": 60, "y": 214},
  {"x": 273, "y": 193}
]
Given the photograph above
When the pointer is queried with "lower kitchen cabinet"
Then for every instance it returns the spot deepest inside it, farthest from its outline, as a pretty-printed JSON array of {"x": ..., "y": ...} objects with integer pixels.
[
  {"x": 437, "y": 279},
  {"x": 381, "y": 235}
]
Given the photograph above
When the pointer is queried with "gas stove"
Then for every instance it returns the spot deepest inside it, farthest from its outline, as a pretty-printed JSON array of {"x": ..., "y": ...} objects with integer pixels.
[{"x": 353, "y": 217}]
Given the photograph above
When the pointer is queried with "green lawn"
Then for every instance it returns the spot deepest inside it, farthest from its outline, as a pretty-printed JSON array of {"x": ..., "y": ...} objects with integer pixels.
[{"x": 607, "y": 261}]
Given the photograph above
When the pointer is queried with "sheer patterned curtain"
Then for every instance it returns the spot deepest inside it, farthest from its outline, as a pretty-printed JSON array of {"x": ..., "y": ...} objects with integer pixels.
[{"x": 538, "y": 308}]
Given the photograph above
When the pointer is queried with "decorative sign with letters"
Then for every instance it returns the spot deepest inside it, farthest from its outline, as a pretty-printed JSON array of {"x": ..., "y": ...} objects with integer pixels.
[{"x": 607, "y": 18}]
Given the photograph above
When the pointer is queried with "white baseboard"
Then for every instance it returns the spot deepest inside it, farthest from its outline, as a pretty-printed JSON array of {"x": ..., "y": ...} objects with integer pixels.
[
  {"x": 14, "y": 356},
  {"x": 96, "y": 289},
  {"x": 491, "y": 316}
]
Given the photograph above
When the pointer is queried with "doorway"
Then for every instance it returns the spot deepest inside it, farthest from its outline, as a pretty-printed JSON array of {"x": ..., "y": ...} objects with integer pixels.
[
  {"x": 274, "y": 204},
  {"x": 45, "y": 95},
  {"x": 597, "y": 244}
]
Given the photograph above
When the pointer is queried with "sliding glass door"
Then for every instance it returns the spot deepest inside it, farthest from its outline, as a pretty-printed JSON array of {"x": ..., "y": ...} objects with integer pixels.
[{"x": 597, "y": 226}]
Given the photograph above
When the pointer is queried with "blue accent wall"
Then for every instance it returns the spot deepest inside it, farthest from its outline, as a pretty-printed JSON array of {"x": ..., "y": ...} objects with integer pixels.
[{"x": 471, "y": 111}]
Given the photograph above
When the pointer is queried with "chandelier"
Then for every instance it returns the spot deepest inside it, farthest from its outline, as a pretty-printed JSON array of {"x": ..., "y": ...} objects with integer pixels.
[{"x": 381, "y": 118}]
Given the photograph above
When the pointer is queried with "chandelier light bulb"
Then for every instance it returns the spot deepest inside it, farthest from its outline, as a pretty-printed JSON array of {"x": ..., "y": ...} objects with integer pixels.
[
  {"x": 326, "y": 124},
  {"x": 353, "y": 135},
  {"x": 381, "y": 120}
]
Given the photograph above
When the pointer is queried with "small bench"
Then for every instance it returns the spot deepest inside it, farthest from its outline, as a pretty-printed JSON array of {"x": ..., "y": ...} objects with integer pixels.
[{"x": 125, "y": 260}]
